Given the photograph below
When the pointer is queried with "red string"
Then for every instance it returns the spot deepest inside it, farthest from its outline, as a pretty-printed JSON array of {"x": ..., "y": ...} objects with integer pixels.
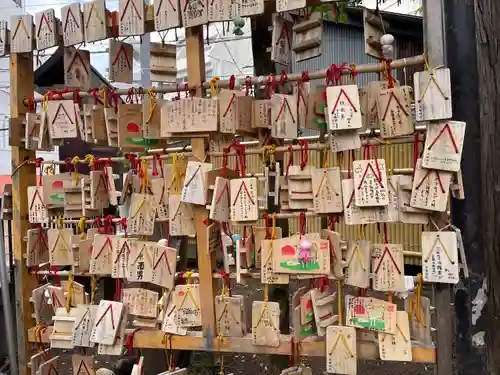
[
  {"x": 118, "y": 290},
  {"x": 290, "y": 161},
  {"x": 292, "y": 350},
  {"x": 130, "y": 342},
  {"x": 448, "y": 130},
  {"x": 248, "y": 85},
  {"x": 283, "y": 80},
  {"x": 54, "y": 271},
  {"x": 95, "y": 93},
  {"x": 302, "y": 223},
  {"x": 386, "y": 238},
  {"x": 304, "y": 153},
  {"x": 130, "y": 96},
  {"x": 323, "y": 283},
  {"x": 332, "y": 219},
  {"x": 232, "y": 81},
  {"x": 76, "y": 96},
  {"x": 330, "y": 74},
  {"x": 241, "y": 156},
  {"x": 390, "y": 78},
  {"x": 270, "y": 85}
]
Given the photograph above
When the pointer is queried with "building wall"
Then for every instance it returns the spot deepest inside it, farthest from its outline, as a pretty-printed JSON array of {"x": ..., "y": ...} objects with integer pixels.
[{"x": 396, "y": 6}]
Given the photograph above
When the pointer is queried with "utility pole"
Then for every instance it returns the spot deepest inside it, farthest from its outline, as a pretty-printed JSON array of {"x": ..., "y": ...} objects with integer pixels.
[{"x": 487, "y": 13}]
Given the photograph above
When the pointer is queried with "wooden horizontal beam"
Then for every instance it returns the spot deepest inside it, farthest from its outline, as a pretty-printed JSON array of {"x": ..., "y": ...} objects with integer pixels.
[{"x": 312, "y": 347}]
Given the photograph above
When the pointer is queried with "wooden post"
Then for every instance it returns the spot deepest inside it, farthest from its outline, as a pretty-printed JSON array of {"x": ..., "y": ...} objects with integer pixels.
[
  {"x": 21, "y": 87},
  {"x": 206, "y": 262},
  {"x": 435, "y": 48}
]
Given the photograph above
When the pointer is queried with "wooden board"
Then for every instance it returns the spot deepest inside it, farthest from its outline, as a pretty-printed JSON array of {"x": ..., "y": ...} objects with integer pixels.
[
  {"x": 37, "y": 247},
  {"x": 408, "y": 214},
  {"x": 117, "y": 347},
  {"x": 394, "y": 113},
  {"x": 341, "y": 356},
  {"x": 388, "y": 267},
  {"x": 248, "y": 8},
  {"x": 358, "y": 264},
  {"x": 219, "y": 209},
  {"x": 47, "y": 29},
  {"x": 195, "y": 183},
  {"x": 108, "y": 317},
  {"x": 344, "y": 140},
  {"x": 396, "y": 347},
  {"x": 390, "y": 213},
  {"x": 265, "y": 323},
  {"x": 372, "y": 118},
  {"x": 141, "y": 302},
  {"x": 430, "y": 188},
  {"x": 162, "y": 62},
  {"x": 61, "y": 119},
  {"x": 194, "y": 13},
  {"x": 229, "y": 313},
  {"x": 38, "y": 212},
  {"x": 59, "y": 251},
  {"x": 284, "y": 116},
  {"x": 4, "y": 38},
  {"x": 164, "y": 266},
  {"x": 327, "y": 190},
  {"x": 370, "y": 182},
  {"x": 140, "y": 261},
  {"x": 120, "y": 61},
  {"x": 167, "y": 14},
  {"x": 337, "y": 264},
  {"x": 370, "y": 313},
  {"x": 261, "y": 117},
  {"x": 95, "y": 21},
  {"x": 373, "y": 26},
  {"x": 354, "y": 214},
  {"x": 21, "y": 37},
  {"x": 84, "y": 320},
  {"x": 187, "y": 302},
  {"x": 235, "y": 109},
  {"x": 132, "y": 18},
  {"x": 281, "y": 47},
  {"x": 77, "y": 68},
  {"x": 72, "y": 25},
  {"x": 420, "y": 319},
  {"x": 268, "y": 276},
  {"x": 308, "y": 36},
  {"x": 129, "y": 126},
  {"x": 181, "y": 221},
  {"x": 444, "y": 143},
  {"x": 343, "y": 109},
  {"x": 101, "y": 260},
  {"x": 440, "y": 257},
  {"x": 82, "y": 364},
  {"x": 220, "y": 10},
  {"x": 50, "y": 366},
  {"x": 300, "y": 192},
  {"x": 243, "y": 193},
  {"x": 111, "y": 121},
  {"x": 189, "y": 115},
  {"x": 323, "y": 303},
  {"x": 433, "y": 95}
]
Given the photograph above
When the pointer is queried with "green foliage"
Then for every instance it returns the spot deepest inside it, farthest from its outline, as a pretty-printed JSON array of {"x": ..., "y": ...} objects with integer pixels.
[{"x": 336, "y": 11}]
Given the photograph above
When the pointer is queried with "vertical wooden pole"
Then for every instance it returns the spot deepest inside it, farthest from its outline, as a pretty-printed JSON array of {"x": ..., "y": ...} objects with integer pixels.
[
  {"x": 435, "y": 48},
  {"x": 21, "y": 87},
  {"x": 206, "y": 261}
]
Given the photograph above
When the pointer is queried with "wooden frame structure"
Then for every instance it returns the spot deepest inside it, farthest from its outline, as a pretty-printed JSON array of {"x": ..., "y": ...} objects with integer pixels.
[{"x": 22, "y": 87}]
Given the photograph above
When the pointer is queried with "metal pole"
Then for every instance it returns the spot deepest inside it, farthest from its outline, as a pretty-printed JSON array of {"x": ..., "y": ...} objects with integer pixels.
[{"x": 9, "y": 321}]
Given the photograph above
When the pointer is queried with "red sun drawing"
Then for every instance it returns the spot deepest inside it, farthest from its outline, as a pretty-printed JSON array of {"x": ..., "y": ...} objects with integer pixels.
[
  {"x": 133, "y": 127},
  {"x": 359, "y": 310},
  {"x": 181, "y": 293},
  {"x": 288, "y": 250},
  {"x": 57, "y": 185},
  {"x": 309, "y": 305}
]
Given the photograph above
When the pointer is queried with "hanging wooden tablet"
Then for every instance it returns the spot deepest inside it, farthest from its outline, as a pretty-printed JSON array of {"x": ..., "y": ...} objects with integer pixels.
[
  {"x": 341, "y": 350},
  {"x": 374, "y": 88},
  {"x": 73, "y": 205},
  {"x": 37, "y": 359},
  {"x": 77, "y": 296},
  {"x": 343, "y": 109},
  {"x": 59, "y": 240},
  {"x": 84, "y": 320},
  {"x": 121, "y": 251},
  {"x": 390, "y": 213},
  {"x": 243, "y": 193},
  {"x": 388, "y": 268},
  {"x": 151, "y": 117},
  {"x": 370, "y": 313},
  {"x": 370, "y": 183},
  {"x": 140, "y": 261},
  {"x": 440, "y": 257},
  {"x": 181, "y": 221},
  {"x": 300, "y": 191},
  {"x": 268, "y": 276},
  {"x": 61, "y": 119},
  {"x": 21, "y": 37},
  {"x": 419, "y": 313},
  {"x": 169, "y": 324},
  {"x": 235, "y": 109},
  {"x": 117, "y": 347},
  {"x": 101, "y": 261},
  {"x": 194, "y": 12},
  {"x": 307, "y": 255},
  {"x": 32, "y": 130},
  {"x": 62, "y": 332},
  {"x": 38, "y": 212},
  {"x": 260, "y": 234},
  {"x": 219, "y": 209},
  {"x": 99, "y": 197},
  {"x": 261, "y": 116},
  {"x": 354, "y": 214},
  {"x": 82, "y": 365},
  {"x": 363, "y": 107},
  {"x": 248, "y": 8},
  {"x": 337, "y": 264},
  {"x": 76, "y": 68},
  {"x": 140, "y": 301},
  {"x": 4, "y": 38},
  {"x": 229, "y": 314},
  {"x": 344, "y": 140},
  {"x": 43, "y": 304},
  {"x": 164, "y": 266},
  {"x": 327, "y": 191},
  {"x": 283, "y": 116},
  {"x": 160, "y": 193},
  {"x": 189, "y": 115},
  {"x": 265, "y": 323},
  {"x": 300, "y": 331},
  {"x": 195, "y": 184},
  {"x": 407, "y": 213},
  {"x": 132, "y": 18},
  {"x": 323, "y": 303},
  {"x": 120, "y": 62},
  {"x": 430, "y": 188},
  {"x": 281, "y": 47},
  {"x": 87, "y": 209},
  {"x": 394, "y": 113},
  {"x": 302, "y": 92},
  {"x": 167, "y": 14},
  {"x": 396, "y": 347},
  {"x": 219, "y": 10},
  {"x": 111, "y": 121},
  {"x": 444, "y": 142},
  {"x": 286, "y": 5},
  {"x": 107, "y": 321},
  {"x": 95, "y": 21},
  {"x": 50, "y": 367},
  {"x": 358, "y": 264},
  {"x": 37, "y": 248},
  {"x": 72, "y": 24},
  {"x": 142, "y": 214},
  {"x": 316, "y": 110},
  {"x": 214, "y": 235},
  {"x": 188, "y": 302},
  {"x": 172, "y": 117},
  {"x": 308, "y": 32},
  {"x": 47, "y": 29},
  {"x": 433, "y": 95}
]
